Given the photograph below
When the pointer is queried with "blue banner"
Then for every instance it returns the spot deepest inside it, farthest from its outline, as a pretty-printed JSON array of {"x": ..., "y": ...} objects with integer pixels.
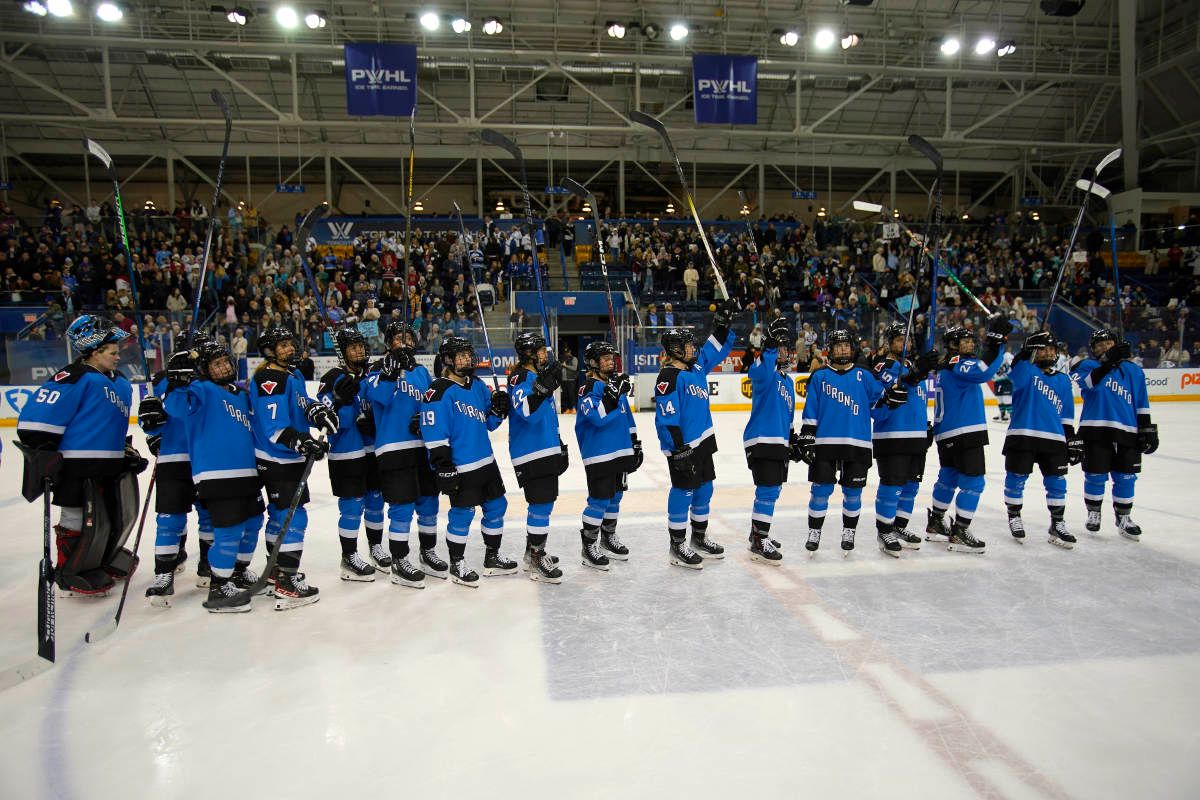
[
  {"x": 725, "y": 89},
  {"x": 381, "y": 79}
]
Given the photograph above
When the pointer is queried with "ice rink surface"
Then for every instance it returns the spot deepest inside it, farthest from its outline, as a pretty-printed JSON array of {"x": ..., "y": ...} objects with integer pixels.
[{"x": 1029, "y": 672}]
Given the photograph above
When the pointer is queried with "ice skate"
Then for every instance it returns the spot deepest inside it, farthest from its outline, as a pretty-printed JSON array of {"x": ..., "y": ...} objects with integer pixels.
[
  {"x": 463, "y": 575},
  {"x": 405, "y": 574},
  {"x": 203, "y": 574},
  {"x": 935, "y": 528},
  {"x": 495, "y": 564},
  {"x": 591, "y": 556},
  {"x": 1128, "y": 528},
  {"x": 1016, "y": 526},
  {"x": 527, "y": 559},
  {"x": 292, "y": 591},
  {"x": 963, "y": 541},
  {"x": 908, "y": 540},
  {"x": 354, "y": 568},
  {"x": 225, "y": 598},
  {"x": 90, "y": 583},
  {"x": 684, "y": 556},
  {"x": 764, "y": 551},
  {"x": 1093, "y": 521},
  {"x": 706, "y": 547},
  {"x": 847, "y": 541},
  {"x": 544, "y": 568},
  {"x": 888, "y": 543},
  {"x": 159, "y": 593},
  {"x": 433, "y": 566},
  {"x": 244, "y": 578},
  {"x": 380, "y": 558},
  {"x": 814, "y": 541},
  {"x": 612, "y": 546},
  {"x": 1060, "y": 536}
]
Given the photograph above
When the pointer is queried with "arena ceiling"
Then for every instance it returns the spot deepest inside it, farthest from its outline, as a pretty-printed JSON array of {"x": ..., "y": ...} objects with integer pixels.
[{"x": 558, "y": 83}]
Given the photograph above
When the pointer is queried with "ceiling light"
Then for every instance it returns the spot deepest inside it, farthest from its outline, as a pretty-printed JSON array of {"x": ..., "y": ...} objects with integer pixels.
[
  {"x": 109, "y": 12},
  {"x": 460, "y": 25},
  {"x": 821, "y": 212},
  {"x": 287, "y": 17},
  {"x": 966, "y": 216},
  {"x": 499, "y": 205},
  {"x": 60, "y": 8},
  {"x": 824, "y": 39},
  {"x": 587, "y": 208},
  {"x": 314, "y": 20},
  {"x": 615, "y": 30},
  {"x": 745, "y": 211},
  {"x": 679, "y": 31},
  {"x": 238, "y": 16},
  {"x": 788, "y": 38},
  {"x": 896, "y": 213},
  {"x": 35, "y": 8},
  {"x": 985, "y": 45},
  {"x": 492, "y": 26},
  {"x": 670, "y": 207},
  {"x": 418, "y": 207},
  {"x": 1007, "y": 48},
  {"x": 950, "y": 46},
  {"x": 850, "y": 40},
  {"x": 430, "y": 21},
  {"x": 651, "y": 31}
]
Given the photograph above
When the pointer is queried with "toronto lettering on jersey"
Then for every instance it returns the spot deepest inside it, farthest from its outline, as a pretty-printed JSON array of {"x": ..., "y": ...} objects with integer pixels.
[
  {"x": 469, "y": 410},
  {"x": 237, "y": 414},
  {"x": 1120, "y": 391},
  {"x": 116, "y": 401},
  {"x": 1048, "y": 392},
  {"x": 837, "y": 394}
]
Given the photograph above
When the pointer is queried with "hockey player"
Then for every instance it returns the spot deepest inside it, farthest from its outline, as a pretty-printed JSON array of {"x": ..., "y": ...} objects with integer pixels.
[
  {"x": 960, "y": 430},
  {"x": 538, "y": 453},
  {"x": 610, "y": 449},
  {"x": 395, "y": 387},
  {"x": 900, "y": 440},
  {"x": 353, "y": 475},
  {"x": 1115, "y": 427},
  {"x": 1042, "y": 432},
  {"x": 769, "y": 436},
  {"x": 1004, "y": 389},
  {"x": 72, "y": 431},
  {"x": 215, "y": 415},
  {"x": 684, "y": 423},
  {"x": 282, "y": 415},
  {"x": 835, "y": 435},
  {"x": 457, "y": 413}
]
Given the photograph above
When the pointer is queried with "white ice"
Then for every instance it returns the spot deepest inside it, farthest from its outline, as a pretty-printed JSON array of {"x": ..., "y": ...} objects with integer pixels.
[{"x": 1029, "y": 672}]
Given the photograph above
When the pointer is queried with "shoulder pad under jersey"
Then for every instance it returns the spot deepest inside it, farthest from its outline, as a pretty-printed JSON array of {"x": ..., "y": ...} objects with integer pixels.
[
  {"x": 271, "y": 381},
  {"x": 71, "y": 373},
  {"x": 437, "y": 389}
]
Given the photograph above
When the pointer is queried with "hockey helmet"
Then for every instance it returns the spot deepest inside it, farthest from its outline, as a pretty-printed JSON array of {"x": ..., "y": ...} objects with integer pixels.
[
  {"x": 215, "y": 363},
  {"x": 593, "y": 353},
  {"x": 347, "y": 337},
  {"x": 954, "y": 336},
  {"x": 90, "y": 332},
  {"x": 451, "y": 346},
  {"x": 1100, "y": 336},
  {"x": 893, "y": 331},
  {"x": 837, "y": 337},
  {"x": 674, "y": 344},
  {"x": 275, "y": 335},
  {"x": 398, "y": 328},
  {"x": 527, "y": 345}
]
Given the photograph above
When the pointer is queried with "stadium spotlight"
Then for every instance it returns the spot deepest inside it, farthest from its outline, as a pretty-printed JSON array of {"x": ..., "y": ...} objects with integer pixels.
[
  {"x": 460, "y": 25},
  {"x": 985, "y": 45},
  {"x": 418, "y": 207},
  {"x": 59, "y": 8},
  {"x": 850, "y": 40},
  {"x": 35, "y": 8},
  {"x": 615, "y": 30},
  {"x": 238, "y": 16},
  {"x": 670, "y": 207},
  {"x": 314, "y": 20},
  {"x": 1007, "y": 48},
  {"x": 109, "y": 12},
  {"x": 950, "y": 46},
  {"x": 679, "y": 31},
  {"x": 651, "y": 31},
  {"x": 430, "y": 21},
  {"x": 499, "y": 206},
  {"x": 787, "y": 38},
  {"x": 586, "y": 208},
  {"x": 287, "y": 17},
  {"x": 824, "y": 39},
  {"x": 492, "y": 26}
]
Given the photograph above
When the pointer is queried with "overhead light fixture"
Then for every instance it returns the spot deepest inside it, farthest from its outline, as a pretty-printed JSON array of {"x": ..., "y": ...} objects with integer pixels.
[
  {"x": 460, "y": 25},
  {"x": 499, "y": 206},
  {"x": 824, "y": 39},
  {"x": 492, "y": 26},
  {"x": 430, "y": 21},
  {"x": 745, "y": 211},
  {"x": 950, "y": 46},
  {"x": 788, "y": 38},
  {"x": 670, "y": 207},
  {"x": 314, "y": 20},
  {"x": 821, "y": 211},
  {"x": 35, "y": 8},
  {"x": 985, "y": 45},
  {"x": 651, "y": 31},
  {"x": 287, "y": 17},
  {"x": 1007, "y": 48},
  {"x": 109, "y": 12},
  {"x": 59, "y": 8},
  {"x": 615, "y": 30},
  {"x": 238, "y": 16},
  {"x": 896, "y": 214},
  {"x": 966, "y": 216},
  {"x": 679, "y": 31},
  {"x": 418, "y": 207},
  {"x": 586, "y": 209},
  {"x": 850, "y": 40}
]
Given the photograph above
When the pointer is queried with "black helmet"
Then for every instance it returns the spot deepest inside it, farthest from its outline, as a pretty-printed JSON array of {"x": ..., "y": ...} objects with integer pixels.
[
  {"x": 593, "y": 352},
  {"x": 1102, "y": 335},
  {"x": 273, "y": 336},
  {"x": 200, "y": 338},
  {"x": 452, "y": 346},
  {"x": 675, "y": 342},
  {"x": 527, "y": 345},
  {"x": 397, "y": 328},
  {"x": 208, "y": 352},
  {"x": 893, "y": 330},
  {"x": 842, "y": 336},
  {"x": 349, "y": 335},
  {"x": 954, "y": 335}
]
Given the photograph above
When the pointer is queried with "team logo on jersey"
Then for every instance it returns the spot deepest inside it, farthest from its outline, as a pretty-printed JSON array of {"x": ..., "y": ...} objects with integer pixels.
[
  {"x": 662, "y": 387},
  {"x": 429, "y": 395},
  {"x": 582, "y": 391},
  {"x": 60, "y": 375},
  {"x": 954, "y": 359},
  {"x": 269, "y": 386}
]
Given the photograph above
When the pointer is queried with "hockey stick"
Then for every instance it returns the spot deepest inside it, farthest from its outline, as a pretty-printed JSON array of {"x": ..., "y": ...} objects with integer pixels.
[
  {"x": 105, "y": 630},
  {"x": 750, "y": 230},
  {"x": 933, "y": 223},
  {"x": 579, "y": 190},
  {"x": 310, "y": 219},
  {"x": 408, "y": 212},
  {"x": 487, "y": 341},
  {"x": 1103, "y": 194},
  {"x": 223, "y": 104},
  {"x": 45, "y": 625},
  {"x": 1104, "y": 162},
  {"x": 656, "y": 125},
  {"x": 491, "y": 137}
]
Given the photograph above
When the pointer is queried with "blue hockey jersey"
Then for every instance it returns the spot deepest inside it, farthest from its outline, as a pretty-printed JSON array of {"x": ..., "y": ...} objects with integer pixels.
[
  {"x": 347, "y": 443},
  {"x": 278, "y": 400},
  {"x": 455, "y": 424},
  {"x": 958, "y": 398},
  {"x": 903, "y": 429},
  {"x": 839, "y": 406},
  {"x": 173, "y": 446},
  {"x": 1042, "y": 404},
  {"x": 1115, "y": 406},
  {"x": 532, "y": 423},
  {"x": 772, "y": 409},
  {"x": 604, "y": 431},
  {"x": 394, "y": 404},
  {"x": 681, "y": 400},
  {"x": 84, "y": 413},
  {"x": 221, "y": 441}
]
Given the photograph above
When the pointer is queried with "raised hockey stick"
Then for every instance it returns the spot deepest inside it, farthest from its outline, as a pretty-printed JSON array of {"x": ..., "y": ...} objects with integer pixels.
[
  {"x": 487, "y": 341},
  {"x": 750, "y": 230},
  {"x": 45, "y": 625},
  {"x": 579, "y": 190},
  {"x": 656, "y": 125},
  {"x": 408, "y": 211},
  {"x": 1103, "y": 194},
  {"x": 496, "y": 139},
  {"x": 1104, "y": 162},
  {"x": 198, "y": 289},
  {"x": 315, "y": 214},
  {"x": 933, "y": 223}
]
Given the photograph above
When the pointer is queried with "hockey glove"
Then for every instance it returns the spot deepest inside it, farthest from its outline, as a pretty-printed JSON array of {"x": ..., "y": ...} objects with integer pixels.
[
  {"x": 181, "y": 369},
  {"x": 929, "y": 437},
  {"x": 778, "y": 332},
  {"x": 724, "y": 318},
  {"x": 620, "y": 384},
  {"x": 345, "y": 390},
  {"x": 683, "y": 461},
  {"x": 1116, "y": 354},
  {"x": 42, "y": 463},
  {"x": 998, "y": 328},
  {"x": 806, "y": 445},
  {"x": 448, "y": 481},
  {"x": 638, "y": 456},
  {"x": 896, "y": 395},
  {"x": 153, "y": 443},
  {"x": 548, "y": 380},
  {"x": 309, "y": 447},
  {"x": 922, "y": 366},
  {"x": 133, "y": 460},
  {"x": 1074, "y": 446},
  {"x": 793, "y": 449},
  {"x": 414, "y": 425},
  {"x": 1148, "y": 438},
  {"x": 564, "y": 457},
  {"x": 151, "y": 413},
  {"x": 365, "y": 422},
  {"x": 321, "y": 416},
  {"x": 501, "y": 405}
]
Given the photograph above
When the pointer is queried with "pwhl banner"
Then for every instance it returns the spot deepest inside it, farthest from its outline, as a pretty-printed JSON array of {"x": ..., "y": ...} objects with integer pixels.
[
  {"x": 381, "y": 79},
  {"x": 725, "y": 89}
]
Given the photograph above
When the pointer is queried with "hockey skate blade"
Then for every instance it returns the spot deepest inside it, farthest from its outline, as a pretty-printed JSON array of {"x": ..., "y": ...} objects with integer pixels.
[
  {"x": 23, "y": 672},
  {"x": 441, "y": 575},
  {"x": 616, "y": 556},
  {"x": 710, "y": 556},
  {"x": 288, "y": 603},
  {"x": 675, "y": 562},
  {"x": 82, "y": 595},
  {"x": 202, "y": 583},
  {"x": 457, "y": 581},
  {"x": 910, "y": 545},
  {"x": 936, "y": 537},
  {"x": 354, "y": 577},
  {"x": 538, "y": 577},
  {"x": 1019, "y": 539},
  {"x": 962, "y": 548},
  {"x": 595, "y": 566},
  {"x": 496, "y": 572},
  {"x": 160, "y": 601},
  {"x": 761, "y": 559},
  {"x": 228, "y": 609},
  {"x": 1063, "y": 543},
  {"x": 398, "y": 581},
  {"x": 883, "y": 549},
  {"x": 1131, "y": 537}
]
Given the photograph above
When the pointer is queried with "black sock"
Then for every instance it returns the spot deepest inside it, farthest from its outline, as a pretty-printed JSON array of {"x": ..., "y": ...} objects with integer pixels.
[
  {"x": 589, "y": 533},
  {"x": 536, "y": 541},
  {"x": 398, "y": 548},
  {"x": 1093, "y": 505},
  {"x": 428, "y": 540},
  {"x": 608, "y": 525},
  {"x": 849, "y": 522},
  {"x": 699, "y": 529},
  {"x": 881, "y": 526},
  {"x": 1014, "y": 510},
  {"x": 1124, "y": 509},
  {"x": 961, "y": 522},
  {"x": 492, "y": 541},
  {"x": 901, "y": 523},
  {"x": 677, "y": 534},
  {"x": 816, "y": 523},
  {"x": 349, "y": 545},
  {"x": 374, "y": 536},
  {"x": 289, "y": 561},
  {"x": 164, "y": 564},
  {"x": 204, "y": 545},
  {"x": 457, "y": 550}
]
